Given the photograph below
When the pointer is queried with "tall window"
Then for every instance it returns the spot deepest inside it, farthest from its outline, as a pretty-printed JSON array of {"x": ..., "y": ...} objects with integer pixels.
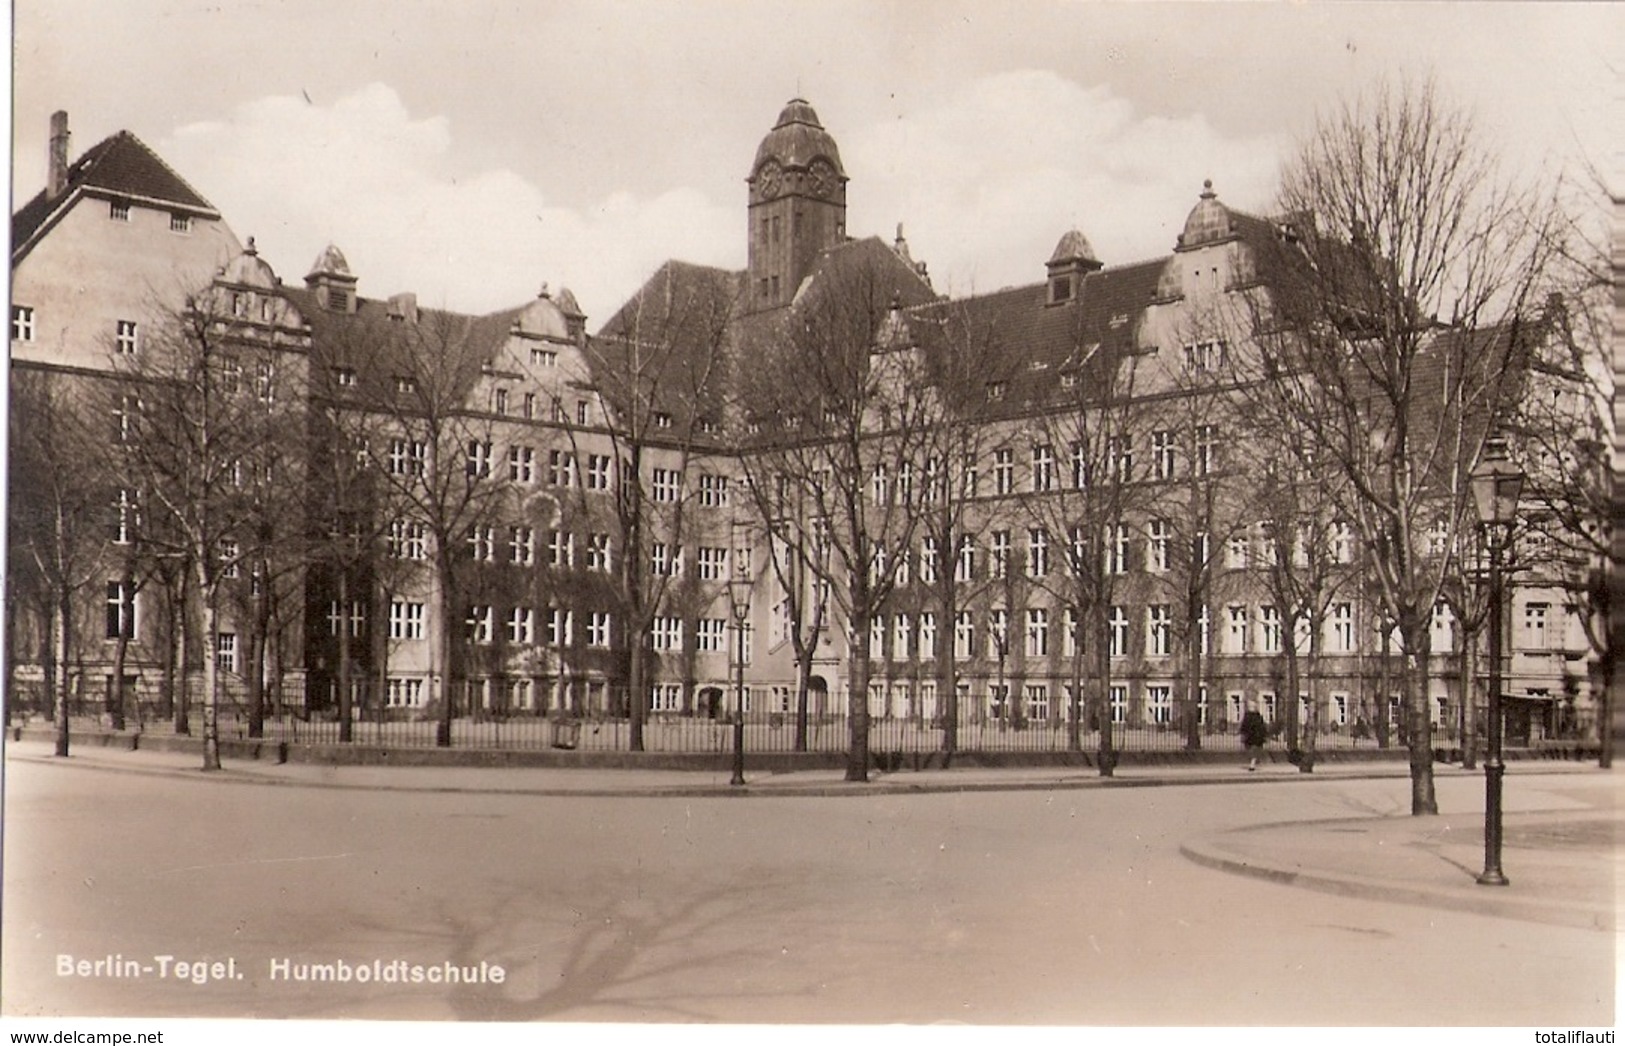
[
  {"x": 1001, "y": 553},
  {"x": 120, "y": 610},
  {"x": 1162, "y": 454},
  {"x": 1004, "y": 471},
  {"x": 713, "y": 490},
  {"x": 1235, "y": 635},
  {"x": 1037, "y": 632},
  {"x": 1117, "y": 554},
  {"x": 1120, "y": 451},
  {"x": 1117, "y": 632},
  {"x": 560, "y": 626},
  {"x": 1207, "y": 449},
  {"x": 1156, "y": 546},
  {"x": 710, "y": 635},
  {"x": 1069, "y": 633},
  {"x": 928, "y": 635},
  {"x": 124, "y": 338},
  {"x": 1119, "y": 703},
  {"x": 407, "y": 457},
  {"x": 964, "y": 635},
  {"x": 965, "y": 564},
  {"x": 561, "y": 468},
  {"x": 998, "y": 630},
  {"x": 1037, "y": 552},
  {"x": 408, "y": 539},
  {"x": 225, "y": 649},
  {"x": 123, "y": 520},
  {"x": 902, "y": 633},
  {"x": 1159, "y": 704},
  {"x": 1043, "y": 468},
  {"x": 1269, "y": 630},
  {"x": 1159, "y": 630},
  {"x": 1342, "y": 542},
  {"x": 666, "y": 483},
  {"x": 522, "y": 625},
  {"x": 930, "y": 552},
  {"x": 1342, "y": 628},
  {"x": 522, "y": 546},
  {"x": 668, "y": 633},
  {"x": 561, "y": 546},
  {"x": 1535, "y": 618},
  {"x": 482, "y": 543},
  {"x": 1077, "y": 549},
  {"x": 598, "y": 629},
  {"x": 1080, "y": 465},
  {"x": 481, "y": 623},
  {"x": 598, "y": 552}
]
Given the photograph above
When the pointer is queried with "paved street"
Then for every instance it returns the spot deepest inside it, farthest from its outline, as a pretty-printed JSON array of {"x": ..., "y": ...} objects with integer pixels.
[{"x": 1032, "y": 906}]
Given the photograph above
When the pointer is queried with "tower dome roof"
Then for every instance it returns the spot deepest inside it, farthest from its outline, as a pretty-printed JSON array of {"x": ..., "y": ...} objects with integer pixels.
[
  {"x": 1208, "y": 222},
  {"x": 1074, "y": 246},
  {"x": 330, "y": 263},
  {"x": 248, "y": 269},
  {"x": 796, "y": 139}
]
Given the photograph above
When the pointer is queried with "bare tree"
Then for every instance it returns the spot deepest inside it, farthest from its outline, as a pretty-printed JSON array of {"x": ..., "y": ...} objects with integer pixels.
[
  {"x": 1392, "y": 333},
  {"x": 203, "y": 407},
  {"x": 658, "y": 368},
  {"x": 58, "y": 504},
  {"x": 846, "y": 422}
]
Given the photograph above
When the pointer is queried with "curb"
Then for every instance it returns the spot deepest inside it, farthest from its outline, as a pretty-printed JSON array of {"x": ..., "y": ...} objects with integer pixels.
[{"x": 1210, "y": 852}]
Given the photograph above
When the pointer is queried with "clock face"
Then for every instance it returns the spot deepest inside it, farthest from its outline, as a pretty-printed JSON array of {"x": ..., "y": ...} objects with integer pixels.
[
  {"x": 824, "y": 182},
  {"x": 767, "y": 180}
]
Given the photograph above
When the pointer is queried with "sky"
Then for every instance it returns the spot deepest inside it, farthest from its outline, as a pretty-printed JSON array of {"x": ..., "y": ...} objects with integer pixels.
[{"x": 470, "y": 152}]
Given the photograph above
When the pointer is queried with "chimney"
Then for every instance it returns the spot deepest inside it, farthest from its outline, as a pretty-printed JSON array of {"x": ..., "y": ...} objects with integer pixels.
[{"x": 56, "y": 181}]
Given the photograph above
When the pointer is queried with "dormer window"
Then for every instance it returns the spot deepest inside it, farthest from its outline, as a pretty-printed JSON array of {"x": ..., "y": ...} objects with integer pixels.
[
  {"x": 345, "y": 377},
  {"x": 118, "y": 210},
  {"x": 662, "y": 420},
  {"x": 995, "y": 390},
  {"x": 405, "y": 383}
]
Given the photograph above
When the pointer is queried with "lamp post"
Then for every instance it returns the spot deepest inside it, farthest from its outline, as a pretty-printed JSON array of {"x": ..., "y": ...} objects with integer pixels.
[
  {"x": 739, "y": 606},
  {"x": 1496, "y": 484}
]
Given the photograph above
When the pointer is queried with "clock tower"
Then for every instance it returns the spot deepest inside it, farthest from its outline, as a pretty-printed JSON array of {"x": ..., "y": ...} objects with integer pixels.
[{"x": 797, "y": 205}]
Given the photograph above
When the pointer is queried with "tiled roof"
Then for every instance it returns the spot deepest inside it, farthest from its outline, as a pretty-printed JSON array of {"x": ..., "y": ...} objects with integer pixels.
[{"x": 121, "y": 165}]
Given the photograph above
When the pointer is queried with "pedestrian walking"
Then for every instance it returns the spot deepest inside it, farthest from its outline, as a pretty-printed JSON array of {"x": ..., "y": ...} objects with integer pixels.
[{"x": 1254, "y": 732}]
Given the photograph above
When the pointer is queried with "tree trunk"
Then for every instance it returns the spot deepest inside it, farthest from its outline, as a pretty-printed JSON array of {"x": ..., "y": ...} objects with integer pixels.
[
  {"x": 804, "y": 660},
  {"x": 116, "y": 695},
  {"x": 443, "y": 654},
  {"x": 64, "y": 615},
  {"x": 1106, "y": 755},
  {"x": 1074, "y": 702},
  {"x": 857, "y": 701},
  {"x": 211, "y": 684},
  {"x": 346, "y": 727},
  {"x": 1414, "y": 699}
]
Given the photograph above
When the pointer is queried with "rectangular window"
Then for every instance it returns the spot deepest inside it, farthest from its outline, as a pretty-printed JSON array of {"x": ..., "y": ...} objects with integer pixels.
[
  {"x": 560, "y": 626},
  {"x": 1162, "y": 454},
  {"x": 711, "y": 635},
  {"x": 405, "y": 693},
  {"x": 1535, "y": 618},
  {"x": 407, "y": 457},
  {"x": 408, "y": 539},
  {"x": 230, "y": 558},
  {"x": 666, "y": 485},
  {"x": 124, "y": 517},
  {"x": 522, "y": 546},
  {"x": 713, "y": 490},
  {"x": 668, "y": 633},
  {"x": 1043, "y": 468},
  {"x": 1004, "y": 471},
  {"x": 225, "y": 648},
  {"x": 118, "y": 210},
  {"x": 1117, "y": 632},
  {"x": 1037, "y": 552},
  {"x": 902, "y": 633},
  {"x": 521, "y": 464},
  {"x": 405, "y": 620},
  {"x": 1080, "y": 465},
  {"x": 561, "y": 468},
  {"x": 1037, "y": 704},
  {"x": 998, "y": 631},
  {"x": 598, "y": 629},
  {"x": 357, "y": 618},
  {"x": 1037, "y": 632},
  {"x": 124, "y": 338},
  {"x": 120, "y": 610},
  {"x": 22, "y": 323},
  {"x": 1236, "y": 552},
  {"x": 482, "y": 542},
  {"x": 1117, "y": 561},
  {"x": 964, "y": 635},
  {"x": 1156, "y": 546},
  {"x": 1120, "y": 452},
  {"x": 1235, "y": 641},
  {"x": 1342, "y": 628},
  {"x": 1159, "y": 630},
  {"x": 543, "y": 358},
  {"x": 1159, "y": 704},
  {"x": 1069, "y": 636},
  {"x": 344, "y": 377},
  {"x": 965, "y": 564},
  {"x": 598, "y": 471},
  {"x": 522, "y": 625},
  {"x": 928, "y": 635},
  {"x": 1342, "y": 542},
  {"x": 598, "y": 552},
  {"x": 929, "y": 556},
  {"x": 713, "y": 563},
  {"x": 180, "y": 223},
  {"x": 1269, "y": 630},
  {"x": 561, "y": 548},
  {"x": 481, "y": 624},
  {"x": 1001, "y": 553},
  {"x": 1119, "y": 703},
  {"x": 1207, "y": 449}
]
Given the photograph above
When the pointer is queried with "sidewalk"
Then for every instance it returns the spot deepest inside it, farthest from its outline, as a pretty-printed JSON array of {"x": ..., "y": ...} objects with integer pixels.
[{"x": 1564, "y": 864}]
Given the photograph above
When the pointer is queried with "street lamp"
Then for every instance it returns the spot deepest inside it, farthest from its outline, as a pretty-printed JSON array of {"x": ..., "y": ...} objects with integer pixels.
[
  {"x": 739, "y": 606},
  {"x": 1496, "y": 483}
]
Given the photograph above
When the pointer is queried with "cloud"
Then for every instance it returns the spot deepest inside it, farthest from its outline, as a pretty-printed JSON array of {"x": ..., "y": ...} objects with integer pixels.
[
  {"x": 991, "y": 177},
  {"x": 365, "y": 174}
]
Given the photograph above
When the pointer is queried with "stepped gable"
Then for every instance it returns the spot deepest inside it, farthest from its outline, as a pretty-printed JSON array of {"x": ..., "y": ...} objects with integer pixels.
[{"x": 119, "y": 166}]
